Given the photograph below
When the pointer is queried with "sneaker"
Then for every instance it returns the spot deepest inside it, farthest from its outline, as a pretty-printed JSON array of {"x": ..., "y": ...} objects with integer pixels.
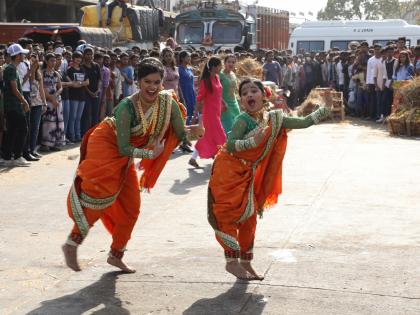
[
  {"x": 6, "y": 163},
  {"x": 36, "y": 154},
  {"x": 21, "y": 162},
  {"x": 55, "y": 149},
  {"x": 381, "y": 119}
]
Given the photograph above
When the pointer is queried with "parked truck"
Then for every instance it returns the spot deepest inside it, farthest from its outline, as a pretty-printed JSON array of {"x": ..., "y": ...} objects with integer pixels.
[
  {"x": 271, "y": 27},
  {"x": 228, "y": 24},
  {"x": 140, "y": 26}
]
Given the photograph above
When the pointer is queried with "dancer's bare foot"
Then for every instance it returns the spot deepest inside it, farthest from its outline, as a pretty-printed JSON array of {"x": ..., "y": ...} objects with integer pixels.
[
  {"x": 116, "y": 262},
  {"x": 235, "y": 268},
  {"x": 70, "y": 255},
  {"x": 248, "y": 267}
]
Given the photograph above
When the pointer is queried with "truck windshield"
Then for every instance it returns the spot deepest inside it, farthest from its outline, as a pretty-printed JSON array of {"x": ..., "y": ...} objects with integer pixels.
[
  {"x": 227, "y": 32},
  {"x": 190, "y": 33}
]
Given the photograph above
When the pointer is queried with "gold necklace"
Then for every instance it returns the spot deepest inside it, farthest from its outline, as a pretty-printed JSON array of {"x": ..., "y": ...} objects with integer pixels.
[{"x": 144, "y": 123}]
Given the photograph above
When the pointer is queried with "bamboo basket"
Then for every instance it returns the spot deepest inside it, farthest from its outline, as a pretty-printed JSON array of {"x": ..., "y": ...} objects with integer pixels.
[
  {"x": 413, "y": 123},
  {"x": 397, "y": 124}
]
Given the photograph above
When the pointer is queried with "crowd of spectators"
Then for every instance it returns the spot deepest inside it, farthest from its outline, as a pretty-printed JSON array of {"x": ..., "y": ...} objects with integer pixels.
[
  {"x": 364, "y": 74},
  {"x": 52, "y": 94}
]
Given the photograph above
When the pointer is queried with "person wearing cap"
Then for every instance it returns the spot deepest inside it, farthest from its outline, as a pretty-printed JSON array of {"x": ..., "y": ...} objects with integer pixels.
[
  {"x": 24, "y": 70},
  {"x": 15, "y": 108}
]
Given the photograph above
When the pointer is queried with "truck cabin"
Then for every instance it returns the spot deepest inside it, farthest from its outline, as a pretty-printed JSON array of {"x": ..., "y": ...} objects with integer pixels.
[{"x": 210, "y": 26}]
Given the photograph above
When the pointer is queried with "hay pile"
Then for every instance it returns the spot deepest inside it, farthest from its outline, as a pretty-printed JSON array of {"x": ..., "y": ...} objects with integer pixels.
[
  {"x": 406, "y": 119},
  {"x": 411, "y": 94},
  {"x": 249, "y": 68},
  {"x": 312, "y": 102}
]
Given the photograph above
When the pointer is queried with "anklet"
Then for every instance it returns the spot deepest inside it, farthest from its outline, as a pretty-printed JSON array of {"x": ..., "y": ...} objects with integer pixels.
[{"x": 71, "y": 243}]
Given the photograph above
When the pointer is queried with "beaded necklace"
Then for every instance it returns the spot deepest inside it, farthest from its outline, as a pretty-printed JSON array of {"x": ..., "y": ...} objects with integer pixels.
[{"x": 152, "y": 122}]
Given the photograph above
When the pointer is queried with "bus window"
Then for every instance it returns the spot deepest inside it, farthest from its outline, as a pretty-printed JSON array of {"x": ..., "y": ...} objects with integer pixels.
[
  {"x": 190, "y": 33},
  {"x": 343, "y": 44},
  {"x": 382, "y": 42},
  {"x": 309, "y": 46}
]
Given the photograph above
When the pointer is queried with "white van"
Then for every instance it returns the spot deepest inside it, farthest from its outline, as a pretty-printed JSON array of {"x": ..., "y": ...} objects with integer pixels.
[{"x": 324, "y": 35}]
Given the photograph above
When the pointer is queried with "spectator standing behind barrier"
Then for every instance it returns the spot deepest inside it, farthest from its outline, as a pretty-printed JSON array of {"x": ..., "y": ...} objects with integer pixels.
[
  {"x": 362, "y": 97},
  {"x": 24, "y": 70},
  {"x": 371, "y": 79},
  {"x": 77, "y": 95},
  {"x": 15, "y": 108},
  {"x": 109, "y": 91},
  {"x": 52, "y": 121},
  {"x": 171, "y": 74},
  {"x": 65, "y": 84},
  {"x": 38, "y": 104},
  {"x": 405, "y": 69},
  {"x": 390, "y": 64},
  {"x": 380, "y": 77},
  {"x": 127, "y": 72},
  {"x": 90, "y": 116},
  {"x": 417, "y": 60},
  {"x": 117, "y": 77},
  {"x": 105, "y": 77},
  {"x": 2, "y": 66},
  {"x": 272, "y": 69}
]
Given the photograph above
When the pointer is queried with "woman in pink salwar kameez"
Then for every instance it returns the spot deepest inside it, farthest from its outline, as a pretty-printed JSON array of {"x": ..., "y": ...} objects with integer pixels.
[{"x": 210, "y": 103}]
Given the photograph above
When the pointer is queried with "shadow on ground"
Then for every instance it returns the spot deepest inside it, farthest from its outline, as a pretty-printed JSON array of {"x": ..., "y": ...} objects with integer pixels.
[
  {"x": 197, "y": 177},
  {"x": 235, "y": 301},
  {"x": 97, "y": 298}
]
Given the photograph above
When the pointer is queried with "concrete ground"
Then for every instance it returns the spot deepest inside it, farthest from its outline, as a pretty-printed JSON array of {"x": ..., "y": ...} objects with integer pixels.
[{"x": 344, "y": 238}]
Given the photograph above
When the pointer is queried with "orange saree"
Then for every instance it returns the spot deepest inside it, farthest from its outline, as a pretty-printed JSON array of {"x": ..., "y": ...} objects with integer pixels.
[
  {"x": 243, "y": 184},
  {"x": 106, "y": 185}
]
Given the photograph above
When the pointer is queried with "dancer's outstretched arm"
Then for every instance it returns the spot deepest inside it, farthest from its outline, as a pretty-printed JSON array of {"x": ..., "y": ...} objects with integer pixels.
[{"x": 307, "y": 121}]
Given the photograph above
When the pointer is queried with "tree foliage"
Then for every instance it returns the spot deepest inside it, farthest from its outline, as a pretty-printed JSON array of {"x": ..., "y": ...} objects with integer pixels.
[{"x": 369, "y": 9}]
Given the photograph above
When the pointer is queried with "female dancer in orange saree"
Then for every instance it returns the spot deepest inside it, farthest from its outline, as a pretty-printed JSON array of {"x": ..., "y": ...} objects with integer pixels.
[
  {"x": 247, "y": 175},
  {"x": 147, "y": 125}
]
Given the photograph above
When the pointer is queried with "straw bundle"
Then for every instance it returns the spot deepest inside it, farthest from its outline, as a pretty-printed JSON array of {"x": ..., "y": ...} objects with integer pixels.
[
  {"x": 411, "y": 94},
  {"x": 249, "y": 68},
  {"x": 312, "y": 102}
]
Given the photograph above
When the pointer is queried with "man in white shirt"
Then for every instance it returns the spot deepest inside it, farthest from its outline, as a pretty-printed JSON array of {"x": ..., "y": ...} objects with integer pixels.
[
  {"x": 374, "y": 80},
  {"x": 379, "y": 74}
]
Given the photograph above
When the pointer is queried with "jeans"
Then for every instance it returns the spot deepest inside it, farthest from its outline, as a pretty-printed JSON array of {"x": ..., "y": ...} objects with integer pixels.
[
  {"x": 16, "y": 134},
  {"x": 75, "y": 117},
  {"x": 90, "y": 116},
  {"x": 380, "y": 108},
  {"x": 66, "y": 114},
  {"x": 361, "y": 102},
  {"x": 35, "y": 120},
  {"x": 387, "y": 98},
  {"x": 372, "y": 103},
  {"x": 26, "y": 145}
]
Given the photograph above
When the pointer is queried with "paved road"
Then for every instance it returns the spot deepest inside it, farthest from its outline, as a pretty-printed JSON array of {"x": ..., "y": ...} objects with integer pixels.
[{"x": 344, "y": 238}]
